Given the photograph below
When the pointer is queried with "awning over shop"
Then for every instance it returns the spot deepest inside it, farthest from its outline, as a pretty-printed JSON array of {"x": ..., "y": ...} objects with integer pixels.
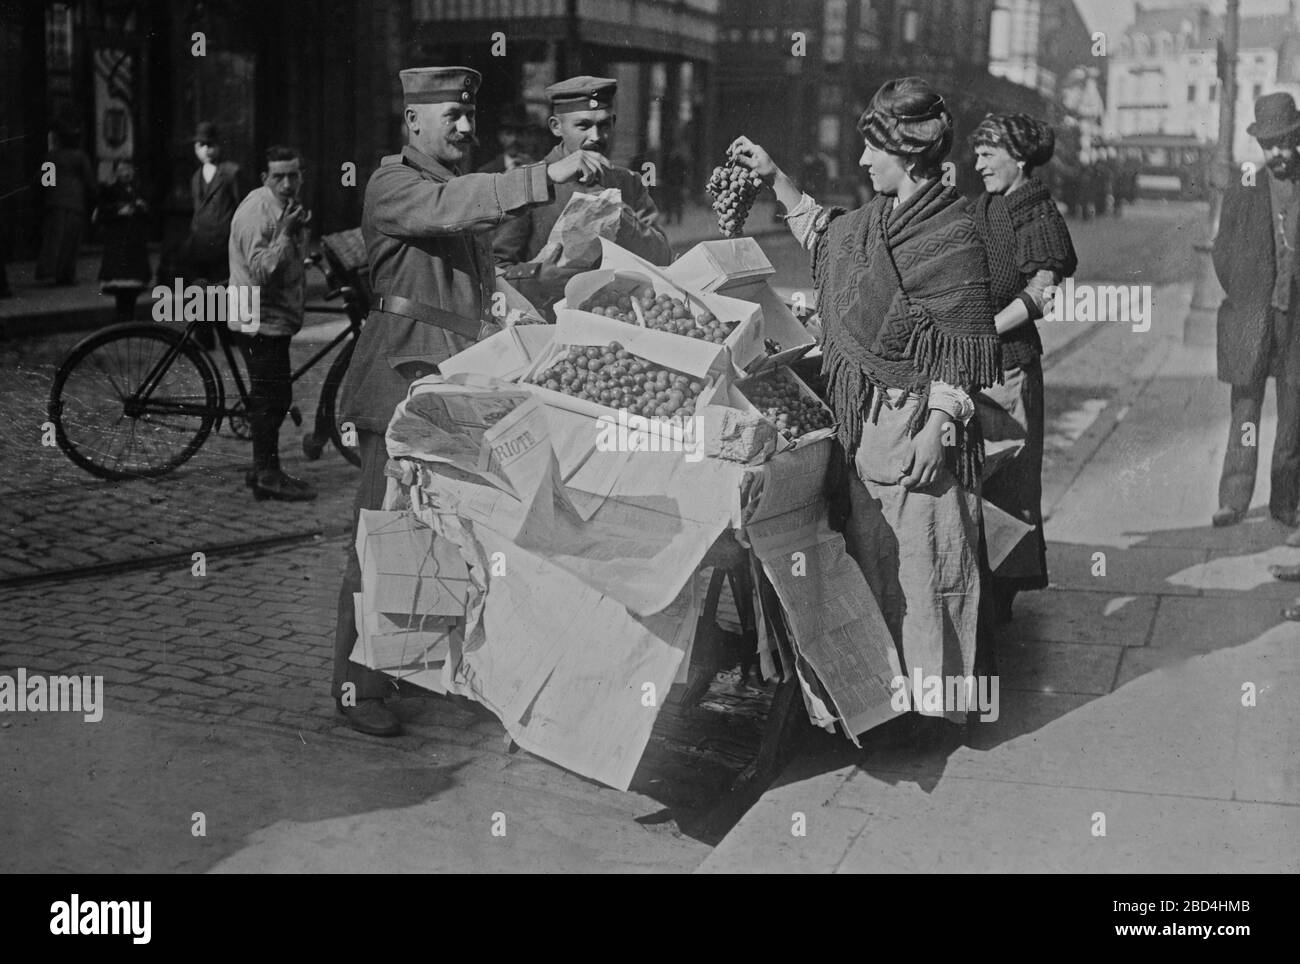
[{"x": 638, "y": 26}]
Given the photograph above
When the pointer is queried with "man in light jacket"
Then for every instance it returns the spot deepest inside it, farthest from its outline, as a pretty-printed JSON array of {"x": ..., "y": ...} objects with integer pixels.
[{"x": 265, "y": 305}]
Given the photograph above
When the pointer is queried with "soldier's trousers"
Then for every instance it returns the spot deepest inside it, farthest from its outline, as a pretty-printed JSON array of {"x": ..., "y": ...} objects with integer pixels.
[
  {"x": 370, "y": 495},
  {"x": 1237, "y": 484}
]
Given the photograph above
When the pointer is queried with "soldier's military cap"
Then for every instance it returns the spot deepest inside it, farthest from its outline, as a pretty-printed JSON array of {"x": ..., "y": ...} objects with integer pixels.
[
  {"x": 440, "y": 85},
  {"x": 582, "y": 93}
]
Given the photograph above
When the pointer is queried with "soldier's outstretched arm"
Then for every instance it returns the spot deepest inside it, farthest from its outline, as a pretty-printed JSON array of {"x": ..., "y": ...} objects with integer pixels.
[{"x": 406, "y": 206}]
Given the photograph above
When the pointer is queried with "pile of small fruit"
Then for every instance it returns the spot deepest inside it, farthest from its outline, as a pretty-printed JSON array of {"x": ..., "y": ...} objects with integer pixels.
[
  {"x": 733, "y": 188},
  {"x": 779, "y": 399},
  {"x": 613, "y": 376},
  {"x": 662, "y": 313}
]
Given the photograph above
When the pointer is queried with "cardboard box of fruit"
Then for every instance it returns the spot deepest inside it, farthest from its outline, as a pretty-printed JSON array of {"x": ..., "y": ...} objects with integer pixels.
[
  {"x": 780, "y": 397},
  {"x": 598, "y": 365},
  {"x": 679, "y": 309},
  {"x": 741, "y": 269}
]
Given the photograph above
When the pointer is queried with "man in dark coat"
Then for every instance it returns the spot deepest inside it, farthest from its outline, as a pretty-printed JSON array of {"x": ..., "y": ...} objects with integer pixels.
[
  {"x": 217, "y": 188},
  {"x": 582, "y": 117},
  {"x": 1255, "y": 260},
  {"x": 511, "y": 129},
  {"x": 426, "y": 231}
]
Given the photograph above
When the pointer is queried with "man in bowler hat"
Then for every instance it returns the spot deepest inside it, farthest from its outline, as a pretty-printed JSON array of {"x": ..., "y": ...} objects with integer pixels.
[
  {"x": 1255, "y": 258},
  {"x": 426, "y": 227}
]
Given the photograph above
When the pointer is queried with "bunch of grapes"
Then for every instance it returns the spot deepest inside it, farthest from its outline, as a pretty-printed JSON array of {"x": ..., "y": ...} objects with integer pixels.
[
  {"x": 780, "y": 400},
  {"x": 662, "y": 313},
  {"x": 733, "y": 188},
  {"x": 613, "y": 376}
]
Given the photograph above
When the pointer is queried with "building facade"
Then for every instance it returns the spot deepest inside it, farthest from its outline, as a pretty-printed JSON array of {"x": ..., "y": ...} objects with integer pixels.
[
  {"x": 796, "y": 76},
  {"x": 1164, "y": 76},
  {"x": 136, "y": 76}
]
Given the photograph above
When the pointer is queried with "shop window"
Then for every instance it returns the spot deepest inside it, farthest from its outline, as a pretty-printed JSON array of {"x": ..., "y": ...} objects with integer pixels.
[
  {"x": 58, "y": 37},
  {"x": 911, "y": 26}
]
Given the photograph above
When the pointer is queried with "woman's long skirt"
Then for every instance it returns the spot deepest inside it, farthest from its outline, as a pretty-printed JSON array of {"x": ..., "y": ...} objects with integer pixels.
[
  {"x": 60, "y": 244},
  {"x": 1014, "y": 410},
  {"x": 919, "y": 552}
]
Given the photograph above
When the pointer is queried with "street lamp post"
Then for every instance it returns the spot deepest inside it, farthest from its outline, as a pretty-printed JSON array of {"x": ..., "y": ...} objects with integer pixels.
[{"x": 1199, "y": 329}]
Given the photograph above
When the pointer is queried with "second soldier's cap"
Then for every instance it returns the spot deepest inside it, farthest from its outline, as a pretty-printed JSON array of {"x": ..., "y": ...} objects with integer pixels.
[
  {"x": 439, "y": 85},
  {"x": 582, "y": 93}
]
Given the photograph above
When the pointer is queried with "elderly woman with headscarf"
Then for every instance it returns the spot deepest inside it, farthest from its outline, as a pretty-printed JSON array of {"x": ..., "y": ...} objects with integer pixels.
[
  {"x": 902, "y": 287},
  {"x": 1029, "y": 250}
]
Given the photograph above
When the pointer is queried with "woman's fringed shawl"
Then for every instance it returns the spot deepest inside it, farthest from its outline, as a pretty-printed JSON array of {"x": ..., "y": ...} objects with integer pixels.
[
  {"x": 937, "y": 326},
  {"x": 1024, "y": 234}
]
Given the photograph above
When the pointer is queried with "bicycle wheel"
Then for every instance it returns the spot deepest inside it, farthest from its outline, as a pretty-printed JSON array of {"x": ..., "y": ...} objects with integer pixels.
[
  {"x": 100, "y": 425},
  {"x": 328, "y": 399}
]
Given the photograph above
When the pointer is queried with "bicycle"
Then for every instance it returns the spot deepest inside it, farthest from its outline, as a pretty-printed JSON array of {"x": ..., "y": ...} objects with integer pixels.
[{"x": 137, "y": 400}]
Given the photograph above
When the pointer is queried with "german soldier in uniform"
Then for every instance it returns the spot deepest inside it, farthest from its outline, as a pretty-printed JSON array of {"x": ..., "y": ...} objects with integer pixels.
[
  {"x": 582, "y": 117},
  {"x": 426, "y": 231}
]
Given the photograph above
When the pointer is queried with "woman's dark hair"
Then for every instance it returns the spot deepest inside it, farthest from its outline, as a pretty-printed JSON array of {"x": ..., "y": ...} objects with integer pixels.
[
  {"x": 1025, "y": 138},
  {"x": 907, "y": 117}
]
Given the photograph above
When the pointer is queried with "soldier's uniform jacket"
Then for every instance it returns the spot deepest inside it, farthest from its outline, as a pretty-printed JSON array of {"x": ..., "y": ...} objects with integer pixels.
[
  {"x": 426, "y": 230},
  {"x": 521, "y": 238}
]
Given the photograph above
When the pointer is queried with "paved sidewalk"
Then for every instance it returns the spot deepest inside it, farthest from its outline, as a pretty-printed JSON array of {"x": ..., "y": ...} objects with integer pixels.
[{"x": 1122, "y": 685}]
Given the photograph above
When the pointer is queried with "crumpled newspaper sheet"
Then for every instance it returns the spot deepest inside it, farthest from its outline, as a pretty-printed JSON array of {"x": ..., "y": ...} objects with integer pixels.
[{"x": 574, "y": 241}]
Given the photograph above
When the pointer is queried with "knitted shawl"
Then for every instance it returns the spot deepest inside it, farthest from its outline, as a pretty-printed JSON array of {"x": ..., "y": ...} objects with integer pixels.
[
  {"x": 1024, "y": 233},
  {"x": 904, "y": 300}
]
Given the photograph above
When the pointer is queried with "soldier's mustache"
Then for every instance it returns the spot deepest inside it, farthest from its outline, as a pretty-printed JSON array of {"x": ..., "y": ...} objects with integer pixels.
[{"x": 470, "y": 139}]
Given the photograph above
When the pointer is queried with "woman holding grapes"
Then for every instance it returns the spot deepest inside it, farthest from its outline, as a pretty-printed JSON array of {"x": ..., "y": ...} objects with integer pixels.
[{"x": 907, "y": 337}]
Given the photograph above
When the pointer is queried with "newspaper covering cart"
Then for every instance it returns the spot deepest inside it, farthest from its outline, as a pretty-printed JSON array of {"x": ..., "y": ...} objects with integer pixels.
[{"x": 555, "y": 541}]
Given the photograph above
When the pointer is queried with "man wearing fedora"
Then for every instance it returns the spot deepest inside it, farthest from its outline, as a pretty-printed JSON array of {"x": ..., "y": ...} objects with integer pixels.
[
  {"x": 1255, "y": 258},
  {"x": 426, "y": 227}
]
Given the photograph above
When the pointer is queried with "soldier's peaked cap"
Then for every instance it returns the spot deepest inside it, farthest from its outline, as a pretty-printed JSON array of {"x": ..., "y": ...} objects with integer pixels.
[
  {"x": 582, "y": 93},
  {"x": 439, "y": 85}
]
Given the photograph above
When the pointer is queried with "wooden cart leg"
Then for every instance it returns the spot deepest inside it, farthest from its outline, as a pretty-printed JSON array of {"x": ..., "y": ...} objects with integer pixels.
[
  {"x": 786, "y": 724},
  {"x": 705, "y": 657}
]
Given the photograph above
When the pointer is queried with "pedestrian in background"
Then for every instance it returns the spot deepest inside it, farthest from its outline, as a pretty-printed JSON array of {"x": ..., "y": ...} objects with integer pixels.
[
  {"x": 510, "y": 138},
  {"x": 123, "y": 218},
  {"x": 672, "y": 184},
  {"x": 216, "y": 190},
  {"x": 267, "y": 244},
  {"x": 67, "y": 202},
  {"x": 1255, "y": 260},
  {"x": 1029, "y": 250}
]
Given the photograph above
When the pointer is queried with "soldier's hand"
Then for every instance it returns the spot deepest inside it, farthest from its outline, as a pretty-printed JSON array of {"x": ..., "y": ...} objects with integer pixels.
[{"x": 586, "y": 167}]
